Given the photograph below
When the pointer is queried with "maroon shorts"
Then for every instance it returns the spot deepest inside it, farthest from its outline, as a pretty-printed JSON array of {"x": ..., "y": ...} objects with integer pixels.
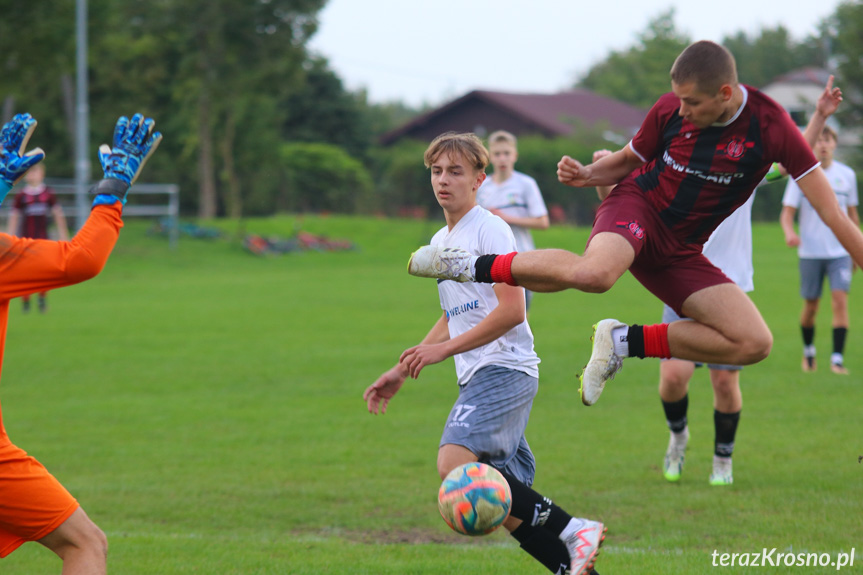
[{"x": 670, "y": 269}]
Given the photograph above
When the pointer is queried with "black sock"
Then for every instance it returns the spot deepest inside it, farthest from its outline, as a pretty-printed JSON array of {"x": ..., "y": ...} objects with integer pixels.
[
  {"x": 543, "y": 546},
  {"x": 483, "y": 268},
  {"x": 675, "y": 413},
  {"x": 839, "y": 334},
  {"x": 635, "y": 337},
  {"x": 808, "y": 334},
  {"x": 726, "y": 429},
  {"x": 534, "y": 509}
]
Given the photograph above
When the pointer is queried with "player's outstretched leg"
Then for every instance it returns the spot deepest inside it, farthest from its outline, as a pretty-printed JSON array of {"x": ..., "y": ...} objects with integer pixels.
[
  {"x": 441, "y": 263},
  {"x": 604, "y": 362}
]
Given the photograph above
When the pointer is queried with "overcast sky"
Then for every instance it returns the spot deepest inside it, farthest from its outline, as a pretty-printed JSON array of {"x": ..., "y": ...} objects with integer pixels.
[{"x": 436, "y": 50}]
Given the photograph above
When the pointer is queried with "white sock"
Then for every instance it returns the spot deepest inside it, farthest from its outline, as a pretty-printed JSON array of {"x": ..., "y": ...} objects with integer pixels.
[
  {"x": 721, "y": 462},
  {"x": 808, "y": 351},
  {"x": 681, "y": 436},
  {"x": 836, "y": 359},
  {"x": 621, "y": 343}
]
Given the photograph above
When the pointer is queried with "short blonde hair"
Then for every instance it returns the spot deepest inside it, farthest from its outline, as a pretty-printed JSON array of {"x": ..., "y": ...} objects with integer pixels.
[
  {"x": 467, "y": 145},
  {"x": 502, "y": 136},
  {"x": 707, "y": 64},
  {"x": 828, "y": 131}
]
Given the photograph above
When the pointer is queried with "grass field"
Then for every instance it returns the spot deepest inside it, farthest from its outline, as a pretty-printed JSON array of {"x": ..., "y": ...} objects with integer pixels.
[{"x": 205, "y": 407}]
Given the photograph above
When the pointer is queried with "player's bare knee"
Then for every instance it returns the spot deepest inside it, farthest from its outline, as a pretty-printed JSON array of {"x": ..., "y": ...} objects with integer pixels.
[{"x": 757, "y": 347}]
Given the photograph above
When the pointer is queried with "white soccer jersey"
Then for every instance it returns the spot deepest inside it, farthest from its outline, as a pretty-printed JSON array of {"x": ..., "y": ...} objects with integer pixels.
[
  {"x": 518, "y": 196},
  {"x": 729, "y": 247},
  {"x": 816, "y": 239},
  {"x": 466, "y": 304}
]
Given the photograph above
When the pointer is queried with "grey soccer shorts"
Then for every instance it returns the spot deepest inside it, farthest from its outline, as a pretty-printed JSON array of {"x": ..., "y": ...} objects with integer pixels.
[
  {"x": 490, "y": 417},
  {"x": 813, "y": 271}
]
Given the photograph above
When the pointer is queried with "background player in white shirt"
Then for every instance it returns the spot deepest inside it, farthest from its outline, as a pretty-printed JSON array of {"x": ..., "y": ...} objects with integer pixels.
[
  {"x": 513, "y": 195},
  {"x": 821, "y": 255},
  {"x": 484, "y": 328}
]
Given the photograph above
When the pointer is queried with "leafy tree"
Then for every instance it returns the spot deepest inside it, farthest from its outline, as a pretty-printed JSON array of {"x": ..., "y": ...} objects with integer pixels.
[
  {"x": 37, "y": 60},
  {"x": 322, "y": 177},
  {"x": 846, "y": 28},
  {"x": 762, "y": 58},
  {"x": 323, "y": 111},
  {"x": 640, "y": 74}
]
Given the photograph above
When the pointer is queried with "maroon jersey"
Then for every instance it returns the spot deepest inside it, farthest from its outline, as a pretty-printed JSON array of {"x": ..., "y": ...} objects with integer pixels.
[
  {"x": 34, "y": 205},
  {"x": 695, "y": 178}
]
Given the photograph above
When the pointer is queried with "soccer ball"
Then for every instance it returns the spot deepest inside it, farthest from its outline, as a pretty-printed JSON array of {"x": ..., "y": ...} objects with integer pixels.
[{"x": 474, "y": 499}]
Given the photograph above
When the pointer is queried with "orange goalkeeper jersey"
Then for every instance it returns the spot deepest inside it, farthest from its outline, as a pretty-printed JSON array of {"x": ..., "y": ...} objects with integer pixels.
[{"x": 32, "y": 501}]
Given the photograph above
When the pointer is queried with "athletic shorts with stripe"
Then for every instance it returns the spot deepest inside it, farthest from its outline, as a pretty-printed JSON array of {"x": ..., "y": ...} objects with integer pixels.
[{"x": 670, "y": 269}]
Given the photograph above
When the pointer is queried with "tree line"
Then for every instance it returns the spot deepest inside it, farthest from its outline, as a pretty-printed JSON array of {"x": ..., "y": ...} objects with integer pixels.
[{"x": 255, "y": 123}]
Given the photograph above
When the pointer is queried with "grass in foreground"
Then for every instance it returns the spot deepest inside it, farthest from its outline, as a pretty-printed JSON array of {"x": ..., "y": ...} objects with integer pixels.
[{"x": 205, "y": 407}]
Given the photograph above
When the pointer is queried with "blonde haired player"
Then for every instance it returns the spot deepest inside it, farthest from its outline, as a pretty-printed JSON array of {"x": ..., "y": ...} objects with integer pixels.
[
  {"x": 483, "y": 327},
  {"x": 512, "y": 195}
]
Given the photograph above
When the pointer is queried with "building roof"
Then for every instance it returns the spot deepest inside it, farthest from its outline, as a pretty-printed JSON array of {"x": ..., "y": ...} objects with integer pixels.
[
  {"x": 809, "y": 75},
  {"x": 549, "y": 115}
]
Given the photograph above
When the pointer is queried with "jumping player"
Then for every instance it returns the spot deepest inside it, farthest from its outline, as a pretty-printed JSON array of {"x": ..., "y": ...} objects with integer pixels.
[
  {"x": 698, "y": 156},
  {"x": 484, "y": 328},
  {"x": 34, "y": 506}
]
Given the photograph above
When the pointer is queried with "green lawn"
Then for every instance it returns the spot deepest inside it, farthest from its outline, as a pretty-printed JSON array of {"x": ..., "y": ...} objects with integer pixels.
[{"x": 205, "y": 407}]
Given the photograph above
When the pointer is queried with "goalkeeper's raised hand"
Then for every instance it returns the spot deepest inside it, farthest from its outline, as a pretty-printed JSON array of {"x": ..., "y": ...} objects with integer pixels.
[
  {"x": 134, "y": 142},
  {"x": 14, "y": 162}
]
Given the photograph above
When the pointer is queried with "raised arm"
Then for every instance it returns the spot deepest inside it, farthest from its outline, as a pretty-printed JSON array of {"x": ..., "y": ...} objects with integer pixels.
[
  {"x": 607, "y": 171},
  {"x": 28, "y": 265},
  {"x": 827, "y": 104}
]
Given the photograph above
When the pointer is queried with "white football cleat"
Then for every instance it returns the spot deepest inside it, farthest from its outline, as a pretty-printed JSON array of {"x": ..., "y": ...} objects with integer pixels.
[
  {"x": 583, "y": 547},
  {"x": 603, "y": 364},
  {"x": 721, "y": 471},
  {"x": 441, "y": 263},
  {"x": 672, "y": 467}
]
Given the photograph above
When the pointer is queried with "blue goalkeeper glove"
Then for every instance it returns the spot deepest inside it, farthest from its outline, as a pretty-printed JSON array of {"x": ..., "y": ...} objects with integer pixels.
[
  {"x": 13, "y": 161},
  {"x": 134, "y": 143}
]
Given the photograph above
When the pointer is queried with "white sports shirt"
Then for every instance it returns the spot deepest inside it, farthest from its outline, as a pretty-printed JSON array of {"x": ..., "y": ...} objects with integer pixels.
[
  {"x": 816, "y": 239},
  {"x": 518, "y": 196},
  {"x": 466, "y": 304},
  {"x": 729, "y": 247}
]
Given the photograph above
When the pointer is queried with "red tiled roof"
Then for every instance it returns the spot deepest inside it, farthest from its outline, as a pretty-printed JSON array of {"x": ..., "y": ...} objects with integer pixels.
[
  {"x": 553, "y": 110},
  {"x": 550, "y": 114}
]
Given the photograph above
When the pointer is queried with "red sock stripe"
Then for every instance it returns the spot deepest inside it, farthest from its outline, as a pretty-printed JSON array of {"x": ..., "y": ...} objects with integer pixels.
[
  {"x": 656, "y": 341},
  {"x": 501, "y": 269}
]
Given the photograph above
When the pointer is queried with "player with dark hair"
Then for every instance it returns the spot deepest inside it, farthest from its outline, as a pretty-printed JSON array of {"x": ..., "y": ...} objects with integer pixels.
[
  {"x": 29, "y": 217},
  {"x": 34, "y": 506},
  {"x": 698, "y": 156},
  {"x": 485, "y": 330}
]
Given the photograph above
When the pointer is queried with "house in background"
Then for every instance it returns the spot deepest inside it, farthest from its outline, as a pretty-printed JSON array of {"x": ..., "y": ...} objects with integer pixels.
[
  {"x": 798, "y": 90},
  {"x": 548, "y": 115}
]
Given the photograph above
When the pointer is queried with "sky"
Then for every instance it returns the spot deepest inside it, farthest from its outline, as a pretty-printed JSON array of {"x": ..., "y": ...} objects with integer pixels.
[{"x": 431, "y": 52}]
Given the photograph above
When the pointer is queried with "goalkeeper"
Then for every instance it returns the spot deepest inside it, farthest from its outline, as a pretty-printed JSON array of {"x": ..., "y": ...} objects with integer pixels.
[{"x": 34, "y": 506}]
